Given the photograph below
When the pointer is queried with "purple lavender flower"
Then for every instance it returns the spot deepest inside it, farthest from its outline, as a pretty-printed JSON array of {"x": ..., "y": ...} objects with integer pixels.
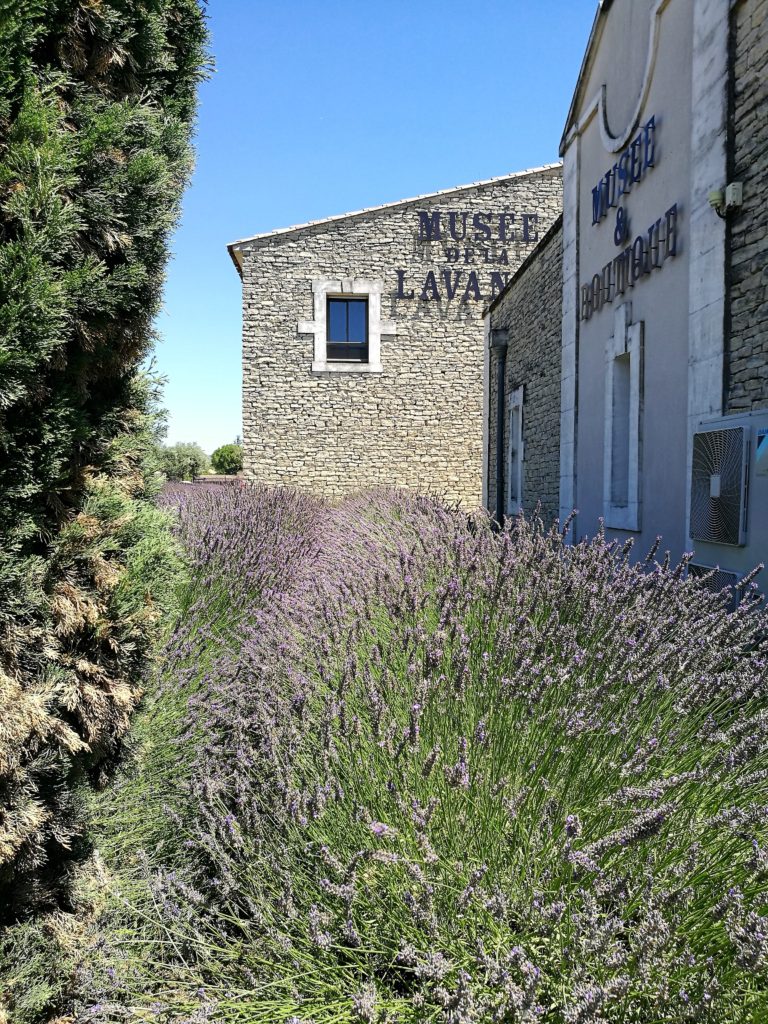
[
  {"x": 330, "y": 659},
  {"x": 381, "y": 830}
]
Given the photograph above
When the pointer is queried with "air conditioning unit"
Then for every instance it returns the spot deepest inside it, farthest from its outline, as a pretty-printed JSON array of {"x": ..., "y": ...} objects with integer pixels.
[
  {"x": 714, "y": 579},
  {"x": 729, "y": 495},
  {"x": 717, "y": 581},
  {"x": 719, "y": 481}
]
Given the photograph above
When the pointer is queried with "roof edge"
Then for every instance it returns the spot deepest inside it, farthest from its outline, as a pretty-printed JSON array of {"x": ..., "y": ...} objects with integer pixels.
[
  {"x": 543, "y": 242},
  {"x": 586, "y": 65},
  {"x": 277, "y": 232}
]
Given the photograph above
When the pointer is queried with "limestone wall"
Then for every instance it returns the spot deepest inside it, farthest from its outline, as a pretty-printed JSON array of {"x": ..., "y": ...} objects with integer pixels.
[
  {"x": 747, "y": 361},
  {"x": 531, "y": 312},
  {"x": 418, "y": 423}
]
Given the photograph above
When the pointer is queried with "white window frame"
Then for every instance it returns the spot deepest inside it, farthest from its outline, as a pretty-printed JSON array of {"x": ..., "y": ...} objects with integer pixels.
[
  {"x": 515, "y": 455},
  {"x": 324, "y": 288},
  {"x": 627, "y": 340}
]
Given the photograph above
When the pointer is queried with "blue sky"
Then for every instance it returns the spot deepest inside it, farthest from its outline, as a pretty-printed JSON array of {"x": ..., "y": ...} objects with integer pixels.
[{"x": 319, "y": 108}]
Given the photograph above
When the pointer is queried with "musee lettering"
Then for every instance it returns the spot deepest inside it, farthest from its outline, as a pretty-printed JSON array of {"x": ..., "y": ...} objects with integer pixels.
[
  {"x": 488, "y": 233},
  {"x": 629, "y": 169},
  {"x": 436, "y": 226}
]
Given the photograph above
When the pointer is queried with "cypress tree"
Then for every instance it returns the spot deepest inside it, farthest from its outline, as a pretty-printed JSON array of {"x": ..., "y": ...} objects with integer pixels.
[{"x": 97, "y": 106}]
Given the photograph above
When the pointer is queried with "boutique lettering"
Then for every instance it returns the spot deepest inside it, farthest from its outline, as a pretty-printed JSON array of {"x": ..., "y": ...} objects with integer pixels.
[{"x": 648, "y": 252}]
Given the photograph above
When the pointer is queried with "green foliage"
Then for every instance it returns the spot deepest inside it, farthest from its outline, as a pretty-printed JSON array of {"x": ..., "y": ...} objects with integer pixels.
[
  {"x": 83, "y": 622},
  {"x": 39, "y": 968},
  {"x": 228, "y": 459},
  {"x": 97, "y": 101},
  {"x": 183, "y": 461}
]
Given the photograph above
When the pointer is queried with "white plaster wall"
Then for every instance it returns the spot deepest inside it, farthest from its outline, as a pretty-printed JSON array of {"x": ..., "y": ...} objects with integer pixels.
[
  {"x": 570, "y": 340},
  {"x": 633, "y": 78},
  {"x": 708, "y": 172}
]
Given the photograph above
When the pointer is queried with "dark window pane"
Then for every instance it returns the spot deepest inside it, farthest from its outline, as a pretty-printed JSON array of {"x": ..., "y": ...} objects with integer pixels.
[
  {"x": 347, "y": 353},
  {"x": 357, "y": 322},
  {"x": 347, "y": 336},
  {"x": 337, "y": 320}
]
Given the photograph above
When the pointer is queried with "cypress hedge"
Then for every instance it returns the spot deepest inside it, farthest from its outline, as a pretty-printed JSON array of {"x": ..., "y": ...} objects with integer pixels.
[{"x": 97, "y": 108}]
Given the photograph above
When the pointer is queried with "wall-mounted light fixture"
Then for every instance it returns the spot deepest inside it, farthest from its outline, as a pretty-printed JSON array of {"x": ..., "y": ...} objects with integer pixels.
[
  {"x": 717, "y": 201},
  {"x": 724, "y": 200}
]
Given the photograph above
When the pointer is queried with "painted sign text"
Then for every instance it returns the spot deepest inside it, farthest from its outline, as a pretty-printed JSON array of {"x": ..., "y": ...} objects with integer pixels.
[
  {"x": 467, "y": 238},
  {"x": 647, "y": 253},
  {"x": 629, "y": 169}
]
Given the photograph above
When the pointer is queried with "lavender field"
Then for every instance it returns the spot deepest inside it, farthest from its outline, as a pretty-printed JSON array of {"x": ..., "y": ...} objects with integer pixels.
[{"x": 400, "y": 768}]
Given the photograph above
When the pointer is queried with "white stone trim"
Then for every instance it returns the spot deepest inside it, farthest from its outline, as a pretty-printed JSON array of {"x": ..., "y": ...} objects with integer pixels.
[
  {"x": 597, "y": 105},
  {"x": 322, "y": 288},
  {"x": 570, "y": 340},
  {"x": 627, "y": 339},
  {"x": 339, "y": 366},
  {"x": 515, "y": 460},
  {"x": 706, "y": 261}
]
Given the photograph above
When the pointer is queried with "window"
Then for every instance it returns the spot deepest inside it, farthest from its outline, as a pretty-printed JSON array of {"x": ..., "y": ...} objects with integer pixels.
[
  {"x": 623, "y": 417},
  {"x": 347, "y": 334},
  {"x": 620, "y": 439},
  {"x": 347, "y": 327},
  {"x": 515, "y": 453}
]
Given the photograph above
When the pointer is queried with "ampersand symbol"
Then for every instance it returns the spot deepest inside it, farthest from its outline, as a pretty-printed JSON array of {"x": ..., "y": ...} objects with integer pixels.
[{"x": 622, "y": 226}]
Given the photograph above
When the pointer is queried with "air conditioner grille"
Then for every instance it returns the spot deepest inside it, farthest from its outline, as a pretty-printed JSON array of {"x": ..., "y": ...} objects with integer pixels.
[
  {"x": 719, "y": 579},
  {"x": 718, "y": 479}
]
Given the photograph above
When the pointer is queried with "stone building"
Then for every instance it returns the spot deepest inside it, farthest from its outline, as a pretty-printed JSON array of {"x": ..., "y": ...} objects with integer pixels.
[
  {"x": 663, "y": 367},
  {"x": 524, "y": 332},
  {"x": 746, "y": 381},
  {"x": 363, "y": 337}
]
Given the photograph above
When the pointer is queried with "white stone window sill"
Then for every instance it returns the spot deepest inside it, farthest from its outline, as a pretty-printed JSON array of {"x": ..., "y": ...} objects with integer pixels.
[
  {"x": 339, "y": 366},
  {"x": 623, "y": 517}
]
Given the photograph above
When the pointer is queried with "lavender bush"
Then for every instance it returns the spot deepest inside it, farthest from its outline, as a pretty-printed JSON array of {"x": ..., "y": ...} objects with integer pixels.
[{"x": 402, "y": 768}]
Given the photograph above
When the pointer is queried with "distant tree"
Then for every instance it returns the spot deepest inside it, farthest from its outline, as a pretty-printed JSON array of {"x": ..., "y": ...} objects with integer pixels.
[
  {"x": 183, "y": 461},
  {"x": 228, "y": 459}
]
